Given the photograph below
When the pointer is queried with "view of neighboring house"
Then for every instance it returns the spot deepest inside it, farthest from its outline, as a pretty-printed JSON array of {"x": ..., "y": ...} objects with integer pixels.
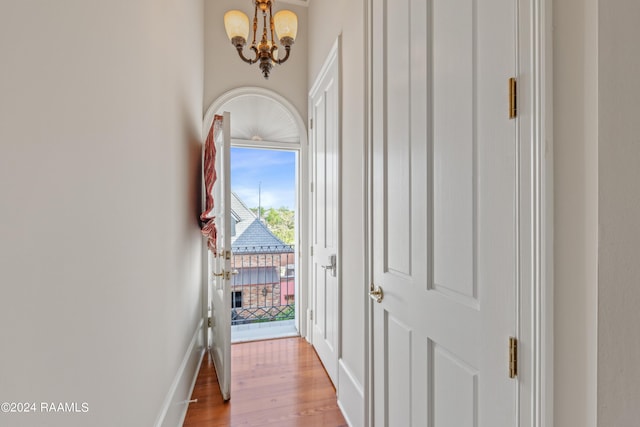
[{"x": 264, "y": 288}]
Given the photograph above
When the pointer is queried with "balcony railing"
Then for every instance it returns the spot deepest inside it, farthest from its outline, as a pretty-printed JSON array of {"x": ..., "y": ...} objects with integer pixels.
[{"x": 264, "y": 288}]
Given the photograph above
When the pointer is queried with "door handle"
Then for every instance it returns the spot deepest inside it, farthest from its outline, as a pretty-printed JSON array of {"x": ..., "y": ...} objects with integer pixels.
[
  {"x": 226, "y": 274},
  {"x": 376, "y": 294},
  {"x": 332, "y": 266}
]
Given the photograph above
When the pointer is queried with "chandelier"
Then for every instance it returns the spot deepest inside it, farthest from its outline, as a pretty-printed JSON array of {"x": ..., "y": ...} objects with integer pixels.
[{"x": 283, "y": 23}]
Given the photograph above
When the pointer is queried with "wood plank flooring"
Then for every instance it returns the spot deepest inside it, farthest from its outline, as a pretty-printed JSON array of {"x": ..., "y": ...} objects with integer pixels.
[{"x": 273, "y": 383}]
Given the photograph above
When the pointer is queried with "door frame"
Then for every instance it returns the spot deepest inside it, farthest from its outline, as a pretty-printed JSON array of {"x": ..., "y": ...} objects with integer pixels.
[
  {"x": 535, "y": 212},
  {"x": 535, "y": 53},
  {"x": 302, "y": 202}
]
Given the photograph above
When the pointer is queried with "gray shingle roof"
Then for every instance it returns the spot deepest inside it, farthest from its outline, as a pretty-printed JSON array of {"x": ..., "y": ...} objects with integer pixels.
[{"x": 251, "y": 235}]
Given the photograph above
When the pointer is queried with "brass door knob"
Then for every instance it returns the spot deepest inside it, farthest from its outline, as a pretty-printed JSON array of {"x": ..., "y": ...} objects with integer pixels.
[{"x": 376, "y": 294}]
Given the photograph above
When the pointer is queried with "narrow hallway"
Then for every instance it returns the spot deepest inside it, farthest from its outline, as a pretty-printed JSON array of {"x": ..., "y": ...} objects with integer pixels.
[{"x": 274, "y": 383}]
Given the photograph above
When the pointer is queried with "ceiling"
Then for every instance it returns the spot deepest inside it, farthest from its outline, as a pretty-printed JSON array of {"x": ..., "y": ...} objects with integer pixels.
[{"x": 258, "y": 118}]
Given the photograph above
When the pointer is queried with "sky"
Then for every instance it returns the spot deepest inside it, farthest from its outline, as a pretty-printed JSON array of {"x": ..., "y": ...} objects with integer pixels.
[{"x": 274, "y": 171}]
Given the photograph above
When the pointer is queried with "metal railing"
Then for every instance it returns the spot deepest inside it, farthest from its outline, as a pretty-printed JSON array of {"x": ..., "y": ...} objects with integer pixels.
[{"x": 264, "y": 288}]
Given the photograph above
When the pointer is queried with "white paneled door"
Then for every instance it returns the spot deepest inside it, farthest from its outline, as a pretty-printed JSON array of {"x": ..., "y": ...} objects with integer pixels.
[
  {"x": 220, "y": 264},
  {"x": 444, "y": 197},
  {"x": 325, "y": 267}
]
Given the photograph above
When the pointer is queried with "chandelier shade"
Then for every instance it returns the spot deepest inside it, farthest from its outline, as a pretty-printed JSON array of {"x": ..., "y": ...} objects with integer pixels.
[
  {"x": 265, "y": 51},
  {"x": 286, "y": 23},
  {"x": 236, "y": 24}
]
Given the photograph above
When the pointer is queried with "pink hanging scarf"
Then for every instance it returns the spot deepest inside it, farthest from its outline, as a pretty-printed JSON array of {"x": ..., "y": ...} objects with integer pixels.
[{"x": 209, "y": 229}]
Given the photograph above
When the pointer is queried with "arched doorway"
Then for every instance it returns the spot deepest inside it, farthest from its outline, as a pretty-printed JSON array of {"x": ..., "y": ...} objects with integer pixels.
[{"x": 264, "y": 120}]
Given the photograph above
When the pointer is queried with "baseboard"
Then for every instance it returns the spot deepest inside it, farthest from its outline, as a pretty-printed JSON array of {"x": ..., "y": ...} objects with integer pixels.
[
  {"x": 350, "y": 396},
  {"x": 175, "y": 405}
]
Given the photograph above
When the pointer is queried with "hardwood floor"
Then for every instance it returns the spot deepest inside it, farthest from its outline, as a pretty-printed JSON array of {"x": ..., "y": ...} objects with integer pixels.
[{"x": 274, "y": 383}]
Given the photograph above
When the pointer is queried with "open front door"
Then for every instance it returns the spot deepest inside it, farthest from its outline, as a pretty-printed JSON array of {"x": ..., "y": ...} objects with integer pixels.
[{"x": 220, "y": 262}]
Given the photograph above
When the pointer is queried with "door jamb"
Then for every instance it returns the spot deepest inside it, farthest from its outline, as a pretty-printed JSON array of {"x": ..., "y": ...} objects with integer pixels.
[{"x": 535, "y": 54}]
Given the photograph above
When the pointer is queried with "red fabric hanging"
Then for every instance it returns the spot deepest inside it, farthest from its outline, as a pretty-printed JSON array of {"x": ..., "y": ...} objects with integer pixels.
[{"x": 209, "y": 229}]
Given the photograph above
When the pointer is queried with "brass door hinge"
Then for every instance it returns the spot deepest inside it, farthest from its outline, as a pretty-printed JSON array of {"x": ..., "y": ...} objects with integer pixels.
[
  {"x": 513, "y": 98},
  {"x": 210, "y": 322},
  {"x": 513, "y": 357}
]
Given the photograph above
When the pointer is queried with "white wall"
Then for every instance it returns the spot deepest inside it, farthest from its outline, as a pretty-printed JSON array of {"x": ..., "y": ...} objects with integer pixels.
[
  {"x": 576, "y": 210},
  {"x": 224, "y": 70},
  {"x": 327, "y": 20},
  {"x": 100, "y": 122},
  {"x": 619, "y": 214},
  {"x": 597, "y": 151}
]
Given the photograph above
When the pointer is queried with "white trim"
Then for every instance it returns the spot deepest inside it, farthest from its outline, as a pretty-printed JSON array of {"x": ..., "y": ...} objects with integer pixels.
[
  {"x": 303, "y": 237},
  {"x": 172, "y": 401},
  {"x": 216, "y": 107},
  {"x": 302, "y": 183},
  {"x": 367, "y": 215},
  {"x": 367, "y": 178},
  {"x": 332, "y": 56},
  {"x": 546, "y": 212},
  {"x": 536, "y": 204},
  {"x": 350, "y": 396},
  {"x": 271, "y": 145}
]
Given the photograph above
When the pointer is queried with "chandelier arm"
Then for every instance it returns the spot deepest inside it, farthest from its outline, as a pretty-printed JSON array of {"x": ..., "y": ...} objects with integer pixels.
[
  {"x": 287, "y": 50},
  {"x": 244, "y": 58}
]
